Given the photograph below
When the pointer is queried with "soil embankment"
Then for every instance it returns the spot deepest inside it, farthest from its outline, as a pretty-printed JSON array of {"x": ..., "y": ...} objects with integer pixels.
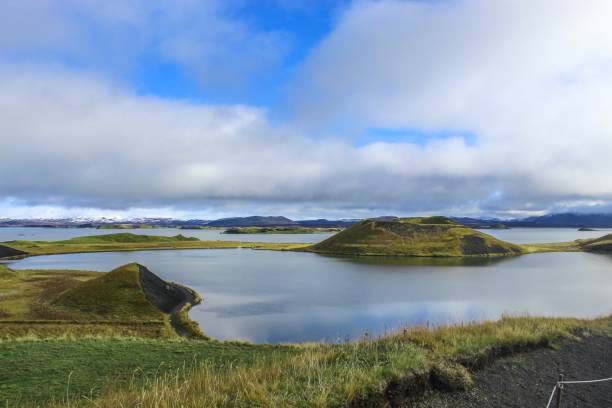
[
  {"x": 526, "y": 380},
  {"x": 8, "y": 252},
  {"x": 172, "y": 299}
]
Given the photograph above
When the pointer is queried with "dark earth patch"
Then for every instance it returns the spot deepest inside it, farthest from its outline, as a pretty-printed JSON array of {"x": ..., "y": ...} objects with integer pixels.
[
  {"x": 475, "y": 245},
  {"x": 527, "y": 380},
  {"x": 165, "y": 296},
  {"x": 8, "y": 252}
]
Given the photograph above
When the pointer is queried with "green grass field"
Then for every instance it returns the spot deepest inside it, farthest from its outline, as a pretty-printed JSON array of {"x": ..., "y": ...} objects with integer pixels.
[
  {"x": 37, "y": 371},
  {"x": 172, "y": 373}
]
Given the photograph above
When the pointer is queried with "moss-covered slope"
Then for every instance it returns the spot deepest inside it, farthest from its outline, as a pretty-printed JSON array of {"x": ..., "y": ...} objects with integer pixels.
[
  {"x": 429, "y": 237},
  {"x": 602, "y": 244},
  {"x": 130, "y": 292}
]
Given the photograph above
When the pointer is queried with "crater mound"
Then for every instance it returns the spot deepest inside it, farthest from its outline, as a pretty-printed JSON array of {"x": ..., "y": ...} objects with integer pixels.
[
  {"x": 130, "y": 292},
  {"x": 416, "y": 237}
]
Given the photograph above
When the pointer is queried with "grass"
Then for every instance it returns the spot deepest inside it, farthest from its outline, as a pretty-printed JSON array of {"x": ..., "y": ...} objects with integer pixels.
[
  {"x": 36, "y": 371},
  {"x": 162, "y": 373},
  {"x": 415, "y": 237},
  {"x": 135, "y": 242}
]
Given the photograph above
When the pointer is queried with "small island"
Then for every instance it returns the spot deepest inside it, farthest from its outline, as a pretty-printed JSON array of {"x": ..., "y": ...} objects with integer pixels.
[{"x": 415, "y": 237}]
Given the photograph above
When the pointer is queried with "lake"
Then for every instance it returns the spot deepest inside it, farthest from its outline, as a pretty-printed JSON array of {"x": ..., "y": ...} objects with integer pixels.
[{"x": 267, "y": 296}]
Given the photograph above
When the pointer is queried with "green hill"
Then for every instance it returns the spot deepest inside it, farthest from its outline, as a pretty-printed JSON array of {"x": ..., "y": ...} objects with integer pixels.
[
  {"x": 427, "y": 237},
  {"x": 130, "y": 292}
]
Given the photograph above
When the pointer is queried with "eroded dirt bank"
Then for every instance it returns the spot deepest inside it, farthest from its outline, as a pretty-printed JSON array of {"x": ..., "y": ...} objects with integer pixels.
[{"x": 526, "y": 380}]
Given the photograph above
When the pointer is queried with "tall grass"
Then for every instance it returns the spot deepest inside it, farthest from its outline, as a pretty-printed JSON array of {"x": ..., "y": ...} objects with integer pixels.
[{"x": 320, "y": 375}]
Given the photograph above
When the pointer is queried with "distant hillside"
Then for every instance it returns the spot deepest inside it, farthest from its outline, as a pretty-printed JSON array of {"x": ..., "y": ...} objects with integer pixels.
[
  {"x": 478, "y": 223},
  {"x": 567, "y": 220},
  {"x": 254, "y": 221},
  {"x": 323, "y": 223},
  {"x": 427, "y": 237}
]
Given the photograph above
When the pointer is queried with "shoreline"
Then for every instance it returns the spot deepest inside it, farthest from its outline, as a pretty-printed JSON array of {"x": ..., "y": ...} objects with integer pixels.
[{"x": 42, "y": 248}]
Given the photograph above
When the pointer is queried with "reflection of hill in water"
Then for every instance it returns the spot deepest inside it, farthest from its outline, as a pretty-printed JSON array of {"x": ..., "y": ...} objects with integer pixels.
[{"x": 419, "y": 261}]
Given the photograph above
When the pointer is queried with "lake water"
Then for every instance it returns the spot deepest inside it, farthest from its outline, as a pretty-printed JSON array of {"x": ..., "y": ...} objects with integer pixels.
[
  {"x": 267, "y": 296},
  {"x": 58, "y": 234}
]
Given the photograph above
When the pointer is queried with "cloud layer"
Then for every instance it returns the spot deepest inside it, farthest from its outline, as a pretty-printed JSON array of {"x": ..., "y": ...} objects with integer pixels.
[{"x": 531, "y": 81}]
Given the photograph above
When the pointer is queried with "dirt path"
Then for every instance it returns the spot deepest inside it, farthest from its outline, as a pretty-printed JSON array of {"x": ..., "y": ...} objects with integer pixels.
[{"x": 527, "y": 380}]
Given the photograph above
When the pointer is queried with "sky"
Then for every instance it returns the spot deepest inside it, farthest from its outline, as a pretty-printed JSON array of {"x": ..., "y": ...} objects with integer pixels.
[{"x": 304, "y": 108}]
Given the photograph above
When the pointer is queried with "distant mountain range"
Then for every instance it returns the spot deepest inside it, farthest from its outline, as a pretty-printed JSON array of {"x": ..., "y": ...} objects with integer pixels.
[
  {"x": 252, "y": 221},
  {"x": 567, "y": 220}
]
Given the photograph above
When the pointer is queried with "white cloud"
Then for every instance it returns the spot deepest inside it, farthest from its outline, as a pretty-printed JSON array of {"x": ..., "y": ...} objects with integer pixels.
[
  {"x": 530, "y": 79},
  {"x": 77, "y": 140},
  {"x": 202, "y": 37}
]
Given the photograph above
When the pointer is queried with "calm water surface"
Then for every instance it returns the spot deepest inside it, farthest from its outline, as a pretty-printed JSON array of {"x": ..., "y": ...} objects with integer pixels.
[
  {"x": 57, "y": 234},
  {"x": 267, "y": 296}
]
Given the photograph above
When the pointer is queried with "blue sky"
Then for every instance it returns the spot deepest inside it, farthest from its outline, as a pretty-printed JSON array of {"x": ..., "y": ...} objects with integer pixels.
[
  {"x": 334, "y": 108},
  {"x": 299, "y": 28}
]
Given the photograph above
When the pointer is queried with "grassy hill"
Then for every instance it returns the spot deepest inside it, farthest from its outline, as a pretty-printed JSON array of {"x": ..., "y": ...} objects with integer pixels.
[
  {"x": 428, "y": 237},
  {"x": 129, "y": 300},
  {"x": 602, "y": 244},
  {"x": 117, "y": 294}
]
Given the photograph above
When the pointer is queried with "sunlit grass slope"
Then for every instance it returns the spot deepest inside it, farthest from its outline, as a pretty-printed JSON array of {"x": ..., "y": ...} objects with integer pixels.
[
  {"x": 428, "y": 237},
  {"x": 49, "y": 304},
  {"x": 114, "y": 295}
]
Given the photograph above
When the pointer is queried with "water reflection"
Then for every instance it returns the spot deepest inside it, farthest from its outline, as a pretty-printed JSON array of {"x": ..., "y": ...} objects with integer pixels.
[{"x": 381, "y": 261}]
